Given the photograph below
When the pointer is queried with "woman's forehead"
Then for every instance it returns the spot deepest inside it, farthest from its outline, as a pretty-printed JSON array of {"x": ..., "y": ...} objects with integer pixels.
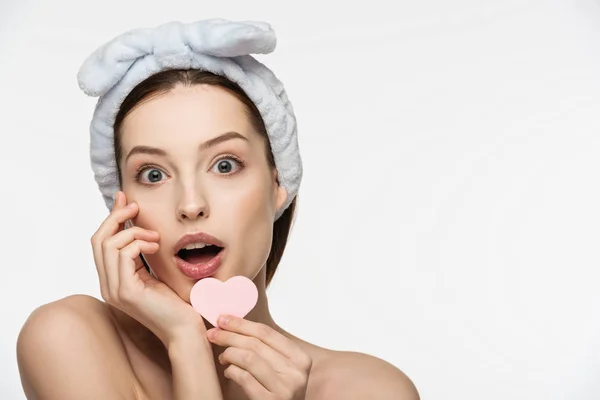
[{"x": 205, "y": 105}]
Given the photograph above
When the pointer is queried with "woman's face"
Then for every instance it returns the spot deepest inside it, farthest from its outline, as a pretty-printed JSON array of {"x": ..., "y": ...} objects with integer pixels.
[{"x": 228, "y": 191}]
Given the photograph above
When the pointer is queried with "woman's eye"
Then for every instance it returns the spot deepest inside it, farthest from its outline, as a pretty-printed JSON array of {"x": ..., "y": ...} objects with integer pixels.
[
  {"x": 223, "y": 166},
  {"x": 153, "y": 176}
]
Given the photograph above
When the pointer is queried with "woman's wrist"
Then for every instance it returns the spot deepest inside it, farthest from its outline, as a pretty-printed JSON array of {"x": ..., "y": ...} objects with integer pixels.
[
  {"x": 193, "y": 370},
  {"x": 191, "y": 338}
]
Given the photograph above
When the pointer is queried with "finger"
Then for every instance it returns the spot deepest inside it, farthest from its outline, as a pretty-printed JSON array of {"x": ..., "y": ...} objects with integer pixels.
[
  {"x": 111, "y": 248},
  {"x": 145, "y": 276},
  {"x": 113, "y": 227},
  {"x": 127, "y": 261},
  {"x": 251, "y": 387},
  {"x": 131, "y": 264},
  {"x": 99, "y": 262},
  {"x": 269, "y": 336},
  {"x": 96, "y": 240},
  {"x": 123, "y": 238},
  {"x": 278, "y": 361},
  {"x": 260, "y": 369},
  {"x": 120, "y": 213}
]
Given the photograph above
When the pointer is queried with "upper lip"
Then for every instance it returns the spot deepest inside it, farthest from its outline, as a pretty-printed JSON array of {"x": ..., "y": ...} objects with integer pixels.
[{"x": 196, "y": 237}]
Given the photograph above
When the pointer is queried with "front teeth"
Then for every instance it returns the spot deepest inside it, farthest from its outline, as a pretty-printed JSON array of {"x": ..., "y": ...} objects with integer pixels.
[{"x": 198, "y": 245}]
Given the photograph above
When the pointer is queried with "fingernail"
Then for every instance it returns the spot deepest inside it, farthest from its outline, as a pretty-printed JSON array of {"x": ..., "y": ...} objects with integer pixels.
[
  {"x": 115, "y": 197},
  {"x": 131, "y": 205},
  {"x": 223, "y": 320},
  {"x": 212, "y": 333}
]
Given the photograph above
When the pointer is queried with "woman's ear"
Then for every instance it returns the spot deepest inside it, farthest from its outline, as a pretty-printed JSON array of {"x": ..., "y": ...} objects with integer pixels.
[
  {"x": 281, "y": 196},
  {"x": 281, "y": 192}
]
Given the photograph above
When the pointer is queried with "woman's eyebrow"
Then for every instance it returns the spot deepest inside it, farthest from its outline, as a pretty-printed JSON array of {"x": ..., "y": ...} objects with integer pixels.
[{"x": 203, "y": 146}]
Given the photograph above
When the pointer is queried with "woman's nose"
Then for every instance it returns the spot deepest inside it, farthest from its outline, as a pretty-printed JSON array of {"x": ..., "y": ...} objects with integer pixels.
[
  {"x": 192, "y": 213},
  {"x": 193, "y": 206}
]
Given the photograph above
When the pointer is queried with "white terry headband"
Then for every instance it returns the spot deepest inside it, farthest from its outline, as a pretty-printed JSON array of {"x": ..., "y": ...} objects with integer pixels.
[{"x": 215, "y": 45}]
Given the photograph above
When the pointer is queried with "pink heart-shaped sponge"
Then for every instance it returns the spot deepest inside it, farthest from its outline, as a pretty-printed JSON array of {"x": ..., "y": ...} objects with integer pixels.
[{"x": 212, "y": 298}]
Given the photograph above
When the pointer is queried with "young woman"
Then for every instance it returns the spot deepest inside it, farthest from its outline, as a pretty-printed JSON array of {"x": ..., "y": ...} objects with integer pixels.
[{"x": 195, "y": 164}]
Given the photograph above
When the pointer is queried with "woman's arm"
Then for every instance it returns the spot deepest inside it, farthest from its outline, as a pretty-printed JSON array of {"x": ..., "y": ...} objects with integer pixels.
[{"x": 193, "y": 368}]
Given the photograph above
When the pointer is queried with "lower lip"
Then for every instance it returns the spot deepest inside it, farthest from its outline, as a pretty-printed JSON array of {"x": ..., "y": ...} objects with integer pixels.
[{"x": 199, "y": 271}]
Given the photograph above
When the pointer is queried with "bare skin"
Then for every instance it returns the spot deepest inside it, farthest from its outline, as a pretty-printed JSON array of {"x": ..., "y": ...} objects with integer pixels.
[
  {"x": 144, "y": 341},
  {"x": 117, "y": 351}
]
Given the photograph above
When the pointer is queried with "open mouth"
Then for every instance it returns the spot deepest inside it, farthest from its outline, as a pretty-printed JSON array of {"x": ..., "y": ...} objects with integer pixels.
[{"x": 200, "y": 255}]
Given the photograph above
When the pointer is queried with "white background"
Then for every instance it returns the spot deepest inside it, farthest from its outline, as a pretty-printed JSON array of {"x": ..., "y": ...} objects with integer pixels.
[{"x": 448, "y": 217}]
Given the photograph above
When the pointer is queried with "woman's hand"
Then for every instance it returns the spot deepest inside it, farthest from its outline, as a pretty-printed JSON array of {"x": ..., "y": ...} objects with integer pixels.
[
  {"x": 125, "y": 283},
  {"x": 266, "y": 364}
]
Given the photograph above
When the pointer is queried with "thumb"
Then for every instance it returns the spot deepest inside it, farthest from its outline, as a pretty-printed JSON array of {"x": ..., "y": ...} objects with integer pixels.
[{"x": 143, "y": 273}]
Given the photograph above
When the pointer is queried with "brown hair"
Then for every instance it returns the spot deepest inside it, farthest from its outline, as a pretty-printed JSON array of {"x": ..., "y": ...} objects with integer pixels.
[{"x": 165, "y": 81}]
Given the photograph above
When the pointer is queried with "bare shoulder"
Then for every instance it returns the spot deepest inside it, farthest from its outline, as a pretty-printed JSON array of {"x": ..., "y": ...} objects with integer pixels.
[
  {"x": 355, "y": 376},
  {"x": 73, "y": 337}
]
